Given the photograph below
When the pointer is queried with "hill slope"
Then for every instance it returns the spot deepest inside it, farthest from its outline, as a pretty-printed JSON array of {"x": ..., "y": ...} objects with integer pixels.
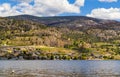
[
  {"x": 91, "y": 38},
  {"x": 70, "y": 21}
]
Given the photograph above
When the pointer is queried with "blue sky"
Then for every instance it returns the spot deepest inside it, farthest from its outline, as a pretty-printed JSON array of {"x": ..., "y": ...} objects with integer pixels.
[
  {"x": 94, "y": 4},
  {"x": 105, "y": 9}
]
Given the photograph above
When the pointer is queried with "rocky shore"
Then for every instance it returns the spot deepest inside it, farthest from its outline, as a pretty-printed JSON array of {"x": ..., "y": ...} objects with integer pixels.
[{"x": 32, "y": 53}]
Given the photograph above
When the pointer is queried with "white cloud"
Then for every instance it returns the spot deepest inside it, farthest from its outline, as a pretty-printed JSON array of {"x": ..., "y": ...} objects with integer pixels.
[
  {"x": 79, "y": 3},
  {"x": 41, "y": 7},
  {"x": 111, "y": 13},
  {"x": 23, "y": 1},
  {"x": 55, "y": 7},
  {"x": 7, "y": 10},
  {"x": 108, "y": 0}
]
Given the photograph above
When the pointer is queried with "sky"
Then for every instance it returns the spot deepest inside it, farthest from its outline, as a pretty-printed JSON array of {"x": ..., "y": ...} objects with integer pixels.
[{"x": 103, "y": 9}]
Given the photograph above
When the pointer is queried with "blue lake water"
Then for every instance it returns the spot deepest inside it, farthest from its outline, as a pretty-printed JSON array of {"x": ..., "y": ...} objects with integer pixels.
[{"x": 56, "y": 68}]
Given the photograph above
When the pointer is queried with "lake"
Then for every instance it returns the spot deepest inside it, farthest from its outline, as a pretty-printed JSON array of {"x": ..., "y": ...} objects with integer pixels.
[{"x": 56, "y": 68}]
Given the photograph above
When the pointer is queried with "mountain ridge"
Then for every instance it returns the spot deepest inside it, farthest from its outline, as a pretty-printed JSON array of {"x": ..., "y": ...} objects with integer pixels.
[
  {"x": 86, "y": 38},
  {"x": 38, "y": 19},
  {"x": 66, "y": 21}
]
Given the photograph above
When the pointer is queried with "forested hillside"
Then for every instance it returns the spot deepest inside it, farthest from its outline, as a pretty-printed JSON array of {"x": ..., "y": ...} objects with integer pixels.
[{"x": 70, "y": 37}]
